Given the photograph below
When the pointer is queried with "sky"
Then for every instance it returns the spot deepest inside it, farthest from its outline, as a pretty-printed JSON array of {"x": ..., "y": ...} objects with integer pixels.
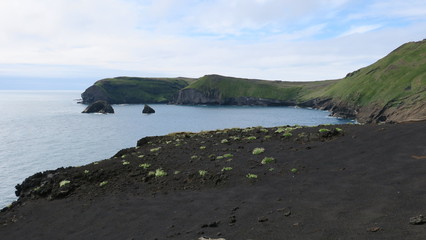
[{"x": 70, "y": 44}]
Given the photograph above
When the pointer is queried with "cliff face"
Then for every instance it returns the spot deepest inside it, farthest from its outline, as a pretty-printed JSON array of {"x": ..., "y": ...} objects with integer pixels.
[
  {"x": 134, "y": 90},
  {"x": 192, "y": 96},
  {"x": 94, "y": 93},
  {"x": 391, "y": 90}
]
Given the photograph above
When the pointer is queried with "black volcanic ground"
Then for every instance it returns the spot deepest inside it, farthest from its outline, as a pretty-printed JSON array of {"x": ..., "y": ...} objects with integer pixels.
[{"x": 350, "y": 182}]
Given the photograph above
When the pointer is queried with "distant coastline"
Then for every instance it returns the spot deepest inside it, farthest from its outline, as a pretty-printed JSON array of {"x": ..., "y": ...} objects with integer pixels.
[{"x": 391, "y": 90}]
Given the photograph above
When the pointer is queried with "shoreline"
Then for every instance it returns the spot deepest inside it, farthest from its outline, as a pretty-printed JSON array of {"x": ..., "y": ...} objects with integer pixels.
[{"x": 342, "y": 183}]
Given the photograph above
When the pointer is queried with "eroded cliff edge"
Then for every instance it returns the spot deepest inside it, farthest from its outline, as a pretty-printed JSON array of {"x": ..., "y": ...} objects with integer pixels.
[{"x": 393, "y": 89}]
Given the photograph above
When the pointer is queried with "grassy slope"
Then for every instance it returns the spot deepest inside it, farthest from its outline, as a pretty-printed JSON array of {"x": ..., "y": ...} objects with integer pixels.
[
  {"x": 231, "y": 87},
  {"x": 136, "y": 90},
  {"x": 400, "y": 76}
]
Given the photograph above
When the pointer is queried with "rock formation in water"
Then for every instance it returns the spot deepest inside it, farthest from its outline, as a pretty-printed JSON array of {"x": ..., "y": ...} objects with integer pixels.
[
  {"x": 99, "y": 107},
  {"x": 148, "y": 110}
]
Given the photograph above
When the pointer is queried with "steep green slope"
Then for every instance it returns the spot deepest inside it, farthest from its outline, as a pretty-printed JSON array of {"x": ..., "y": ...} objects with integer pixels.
[
  {"x": 394, "y": 86},
  {"x": 400, "y": 74},
  {"x": 135, "y": 90},
  {"x": 233, "y": 88},
  {"x": 392, "y": 89}
]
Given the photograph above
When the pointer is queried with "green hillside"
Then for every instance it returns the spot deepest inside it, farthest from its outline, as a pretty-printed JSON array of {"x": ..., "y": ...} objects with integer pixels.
[
  {"x": 230, "y": 87},
  {"x": 135, "y": 90},
  {"x": 399, "y": 76},
  {"x": 392, "y": 89}
]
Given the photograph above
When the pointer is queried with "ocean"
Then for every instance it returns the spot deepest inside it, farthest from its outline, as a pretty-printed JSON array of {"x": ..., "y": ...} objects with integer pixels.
[{"x": 45, "y": 130}]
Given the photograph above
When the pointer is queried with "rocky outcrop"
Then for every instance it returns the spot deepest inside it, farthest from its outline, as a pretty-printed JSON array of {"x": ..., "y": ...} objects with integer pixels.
[
  {"x": 373, "y": 113},
  {"x": 192, "y": 96},
  {"x": 92, "y": 94},
  {"x": 99, "y": 107},
  {"x": 148, "y": 110}
]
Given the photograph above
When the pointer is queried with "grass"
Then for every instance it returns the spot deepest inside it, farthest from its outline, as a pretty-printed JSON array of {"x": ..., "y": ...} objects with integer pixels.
[
  {"x": 398, "y": 77},
  {"x": 267, "y": 160},
  {"x": 230, "y": 87},
  {"x": 141, "y": 90},
  {"x": 280, "y": 130},
  {"x": 251, "y": 176},
  {"x": 64, "y": 182},
  {"x": 339, "y": 129},
  {"x": 226, "y": 169},
  {"x": 228, "y": 155},
  {"x": 323, "y": 130},
  {"x": 160, "y": 173},
  {"x": 103, "y": 183},
  {"x": 294, "y": 170},
  {"x": 250, "y": 138},
  {"x": 202, "y": 147},
  {"x": 145, "y": 165},
  {"x": 126, "y": 163},
  {"x": 287, "y": 134},
  {"x": 224, "y": 141},
  {"x": 202, "y": 173},
  {"x": 155, "y": 149},
  {"x": 257, "y": 151}
]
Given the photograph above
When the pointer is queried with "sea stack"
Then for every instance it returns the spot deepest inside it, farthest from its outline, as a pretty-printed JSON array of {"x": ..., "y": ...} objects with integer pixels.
[
  {"x": 99, "y": 107},
  {"x": 148, "y": 110}
]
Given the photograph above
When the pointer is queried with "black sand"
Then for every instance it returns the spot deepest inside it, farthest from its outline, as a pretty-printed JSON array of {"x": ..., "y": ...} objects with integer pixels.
[{"x": 364, "y": 182}]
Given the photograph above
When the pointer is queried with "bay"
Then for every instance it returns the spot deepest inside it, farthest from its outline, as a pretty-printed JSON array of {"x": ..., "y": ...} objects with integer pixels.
[{"x": 44, "y": 130}]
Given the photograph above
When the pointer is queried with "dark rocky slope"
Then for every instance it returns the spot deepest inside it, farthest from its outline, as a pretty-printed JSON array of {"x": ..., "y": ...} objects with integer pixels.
[{"x": 347, "y": 182}]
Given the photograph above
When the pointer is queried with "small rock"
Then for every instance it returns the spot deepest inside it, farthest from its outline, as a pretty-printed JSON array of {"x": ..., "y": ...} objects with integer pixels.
[
  {"x": 232, "y": 219},
  {"x": 286, "y": 211},
  {"x": 99, "y": 107},
  {"x": 204, "y": 238},
  {"x": 262, "y": 219},
  {"x": 374, "y": 229},
  {"x": 417, "y": 220},
  {"x": 147, "y": 109},
  {"x": 212, "y": 224}
]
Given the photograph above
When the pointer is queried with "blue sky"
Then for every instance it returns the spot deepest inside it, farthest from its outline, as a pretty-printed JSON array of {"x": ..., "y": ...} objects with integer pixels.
[{"x": 69, "y": 44}]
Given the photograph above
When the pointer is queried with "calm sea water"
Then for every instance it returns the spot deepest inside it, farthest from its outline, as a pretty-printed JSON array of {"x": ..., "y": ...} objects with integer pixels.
[{"x": 45, "y": 130}]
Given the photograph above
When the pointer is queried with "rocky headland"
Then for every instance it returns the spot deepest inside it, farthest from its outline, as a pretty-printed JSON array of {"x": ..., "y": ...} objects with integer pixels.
[{"x": 391, "y": 90}]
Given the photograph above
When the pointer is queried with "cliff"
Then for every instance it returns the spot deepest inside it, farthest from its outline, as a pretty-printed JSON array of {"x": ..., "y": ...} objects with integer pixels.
[
  {"x": 221, "y": 90},
  {"x": 391, "y": 90},
  {"x": 134, "y": 90}
]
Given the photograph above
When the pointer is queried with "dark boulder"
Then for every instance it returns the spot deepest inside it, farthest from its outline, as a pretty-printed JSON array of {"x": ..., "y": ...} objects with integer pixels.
[
  {"x": 148, "y": 109},
  {"x": 99, "y": 107}
]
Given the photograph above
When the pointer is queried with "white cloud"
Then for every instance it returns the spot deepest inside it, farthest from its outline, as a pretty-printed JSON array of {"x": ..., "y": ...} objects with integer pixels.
[
  {"x": 268, "y": 39},
  {"x": 361, "y": 29}
]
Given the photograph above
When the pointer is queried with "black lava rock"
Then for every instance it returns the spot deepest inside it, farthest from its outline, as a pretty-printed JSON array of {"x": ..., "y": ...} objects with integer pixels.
[
  {"x": 147, "y": 109},
  {"x": 99, "y": 107}
]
